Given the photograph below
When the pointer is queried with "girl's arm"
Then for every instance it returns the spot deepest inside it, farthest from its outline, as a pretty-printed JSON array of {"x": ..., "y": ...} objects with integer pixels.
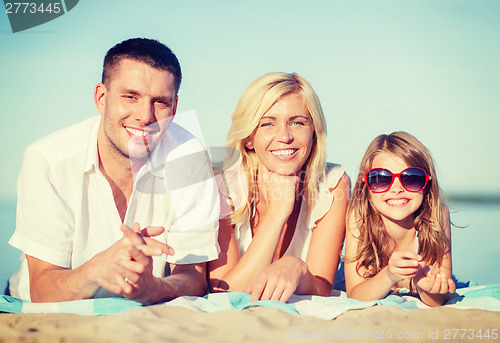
[
  {"x": 402, "y": 265},
  {"x": 356, "y": 286},
  {"x": 436, "y": 288}
]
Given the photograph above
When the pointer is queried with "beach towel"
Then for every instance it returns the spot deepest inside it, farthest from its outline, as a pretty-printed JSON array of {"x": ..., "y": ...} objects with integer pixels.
[{"x": 485, "y": 297}]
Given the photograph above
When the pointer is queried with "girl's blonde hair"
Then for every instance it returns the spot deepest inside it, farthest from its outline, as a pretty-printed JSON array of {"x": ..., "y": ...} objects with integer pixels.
[
  {"x": 375, "y": 246},
  {"x": 256, "y": 100}
]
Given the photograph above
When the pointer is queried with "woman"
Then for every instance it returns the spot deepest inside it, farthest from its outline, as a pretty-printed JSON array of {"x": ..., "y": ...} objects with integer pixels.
[{"x": 287, "y": 227}]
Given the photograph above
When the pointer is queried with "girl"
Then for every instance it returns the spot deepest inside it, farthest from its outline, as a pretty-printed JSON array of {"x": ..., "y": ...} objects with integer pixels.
[
  {"x": 398, "y": 236},
  {"x": 288, "y": 224}
]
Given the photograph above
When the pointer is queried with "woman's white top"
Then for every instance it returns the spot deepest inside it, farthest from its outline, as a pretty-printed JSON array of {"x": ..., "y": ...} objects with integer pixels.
[{"x": 236, "y": 185}]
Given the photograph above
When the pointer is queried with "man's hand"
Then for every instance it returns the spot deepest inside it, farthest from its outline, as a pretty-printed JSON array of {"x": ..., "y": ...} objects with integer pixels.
[{"x": 126, "y": 267}]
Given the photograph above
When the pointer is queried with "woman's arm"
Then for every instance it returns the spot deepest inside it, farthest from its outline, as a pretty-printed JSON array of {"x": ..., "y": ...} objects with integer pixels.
[
  {"x": 276, "y": 280},
  {"x": 230, "y": 272},
  {"x": 228, "y": 257},
  {"x": 291, "y": 275},
  {"x": 326, "y": 244}
]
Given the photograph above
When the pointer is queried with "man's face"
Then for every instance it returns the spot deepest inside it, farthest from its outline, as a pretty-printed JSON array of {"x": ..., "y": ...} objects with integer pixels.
[{"x": 137, "y": 105}]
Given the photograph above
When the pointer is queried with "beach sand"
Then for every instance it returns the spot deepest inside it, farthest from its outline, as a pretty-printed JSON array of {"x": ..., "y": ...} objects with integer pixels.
[{"x": 177, "y": 324}]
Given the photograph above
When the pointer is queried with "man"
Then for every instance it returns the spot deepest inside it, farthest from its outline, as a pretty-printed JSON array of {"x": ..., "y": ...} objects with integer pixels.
[{"x": 91, "y": 196}]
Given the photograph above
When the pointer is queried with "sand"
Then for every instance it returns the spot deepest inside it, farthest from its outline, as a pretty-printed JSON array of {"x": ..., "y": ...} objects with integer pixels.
[{"x": 178, "y": 324}]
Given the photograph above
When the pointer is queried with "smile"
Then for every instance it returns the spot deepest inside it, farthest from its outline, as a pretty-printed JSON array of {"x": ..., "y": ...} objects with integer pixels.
[
  {"x": 137, "y": 132},
  {"x": 285, "y": 152},
  {"x": 397, "y": 202}
]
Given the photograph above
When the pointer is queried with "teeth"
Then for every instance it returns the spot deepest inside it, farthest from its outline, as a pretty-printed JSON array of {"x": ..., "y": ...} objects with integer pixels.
[
  {"x": 286, "y": 152},
  {"x": 397, "y": 201},
  {"x": 136, "y": 132}
]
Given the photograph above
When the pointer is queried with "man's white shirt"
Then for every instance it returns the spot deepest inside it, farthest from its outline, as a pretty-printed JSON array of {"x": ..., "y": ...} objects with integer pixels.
[{"x": 66, "y": 212}]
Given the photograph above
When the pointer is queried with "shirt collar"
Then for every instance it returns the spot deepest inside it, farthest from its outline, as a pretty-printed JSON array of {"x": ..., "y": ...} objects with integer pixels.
[
  {"x": 158, "y": 158},
  {"x": 92, "y": 155},
  {"x": 154, "y": 164}
]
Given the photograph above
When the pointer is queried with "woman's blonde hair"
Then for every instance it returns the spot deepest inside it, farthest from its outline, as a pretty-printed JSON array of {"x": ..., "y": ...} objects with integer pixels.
[
  {"x": 374, "y": 243},
  {"x": 256, "y": 100}
]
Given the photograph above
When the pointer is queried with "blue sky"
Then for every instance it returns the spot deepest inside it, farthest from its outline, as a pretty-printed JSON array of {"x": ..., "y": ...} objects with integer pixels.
[{"x": 430, "y": 68}]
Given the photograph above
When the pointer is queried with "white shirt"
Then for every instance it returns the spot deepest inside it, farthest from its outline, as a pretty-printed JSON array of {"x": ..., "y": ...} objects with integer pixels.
[{"x": 66, "y": 212}]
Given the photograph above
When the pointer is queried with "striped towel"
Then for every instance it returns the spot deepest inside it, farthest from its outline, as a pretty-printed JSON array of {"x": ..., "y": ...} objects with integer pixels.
[{"x": 482, "y": 297}]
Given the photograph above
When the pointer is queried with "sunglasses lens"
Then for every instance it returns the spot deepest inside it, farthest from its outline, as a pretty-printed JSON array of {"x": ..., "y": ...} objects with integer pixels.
[
  {"x": 379, "y": 180},
  {"x": 413, "y": 179}
]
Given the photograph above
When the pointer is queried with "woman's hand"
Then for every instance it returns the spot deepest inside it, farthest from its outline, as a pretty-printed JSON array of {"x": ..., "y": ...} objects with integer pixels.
[
  {"x": 404, "y": 265},
  {"x": 279, "y": 280},
  {"x": 432, "y": 281},
  {"x": 279, "y": 191}
]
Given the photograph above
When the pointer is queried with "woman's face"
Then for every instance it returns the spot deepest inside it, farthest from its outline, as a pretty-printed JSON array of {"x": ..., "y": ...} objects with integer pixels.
[
  {"x": 283, "y": 139},
  {"x": 396, "y": 205}
]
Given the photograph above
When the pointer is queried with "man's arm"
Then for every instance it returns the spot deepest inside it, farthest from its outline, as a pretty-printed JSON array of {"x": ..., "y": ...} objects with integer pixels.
[
  {"x": 186, "y": 279},
  {"x": 142, "y": 286},
  {"x": 49, "y": 283}
]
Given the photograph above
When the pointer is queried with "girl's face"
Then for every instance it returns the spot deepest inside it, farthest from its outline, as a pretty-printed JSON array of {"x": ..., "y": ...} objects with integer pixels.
[
  {"x": 396, "y": 205},
  {"x": 283, "y": 139}
]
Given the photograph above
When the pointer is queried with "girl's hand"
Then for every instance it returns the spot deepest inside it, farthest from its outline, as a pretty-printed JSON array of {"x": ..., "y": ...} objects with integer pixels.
[
  {"x": 431, "y": 280},
  {"x": 404, "y": 265},
  {"x": 279, "y": 280},
  {"x": 278, "y": 191}
]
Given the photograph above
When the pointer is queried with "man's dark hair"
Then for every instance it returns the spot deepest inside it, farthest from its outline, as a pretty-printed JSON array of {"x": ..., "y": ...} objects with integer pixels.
[{"x": 149, "y": 51}]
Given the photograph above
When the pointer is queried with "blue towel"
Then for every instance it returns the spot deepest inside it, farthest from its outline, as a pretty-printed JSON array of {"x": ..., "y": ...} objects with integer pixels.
[{"x": 482, "y": 297}]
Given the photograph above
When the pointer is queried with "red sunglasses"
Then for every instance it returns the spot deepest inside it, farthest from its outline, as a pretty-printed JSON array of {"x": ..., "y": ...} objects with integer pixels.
[{"x": 380, "y": 180}]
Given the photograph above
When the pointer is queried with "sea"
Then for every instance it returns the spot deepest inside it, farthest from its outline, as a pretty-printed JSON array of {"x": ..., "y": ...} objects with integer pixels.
[{"x": 475, "y": 241}]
